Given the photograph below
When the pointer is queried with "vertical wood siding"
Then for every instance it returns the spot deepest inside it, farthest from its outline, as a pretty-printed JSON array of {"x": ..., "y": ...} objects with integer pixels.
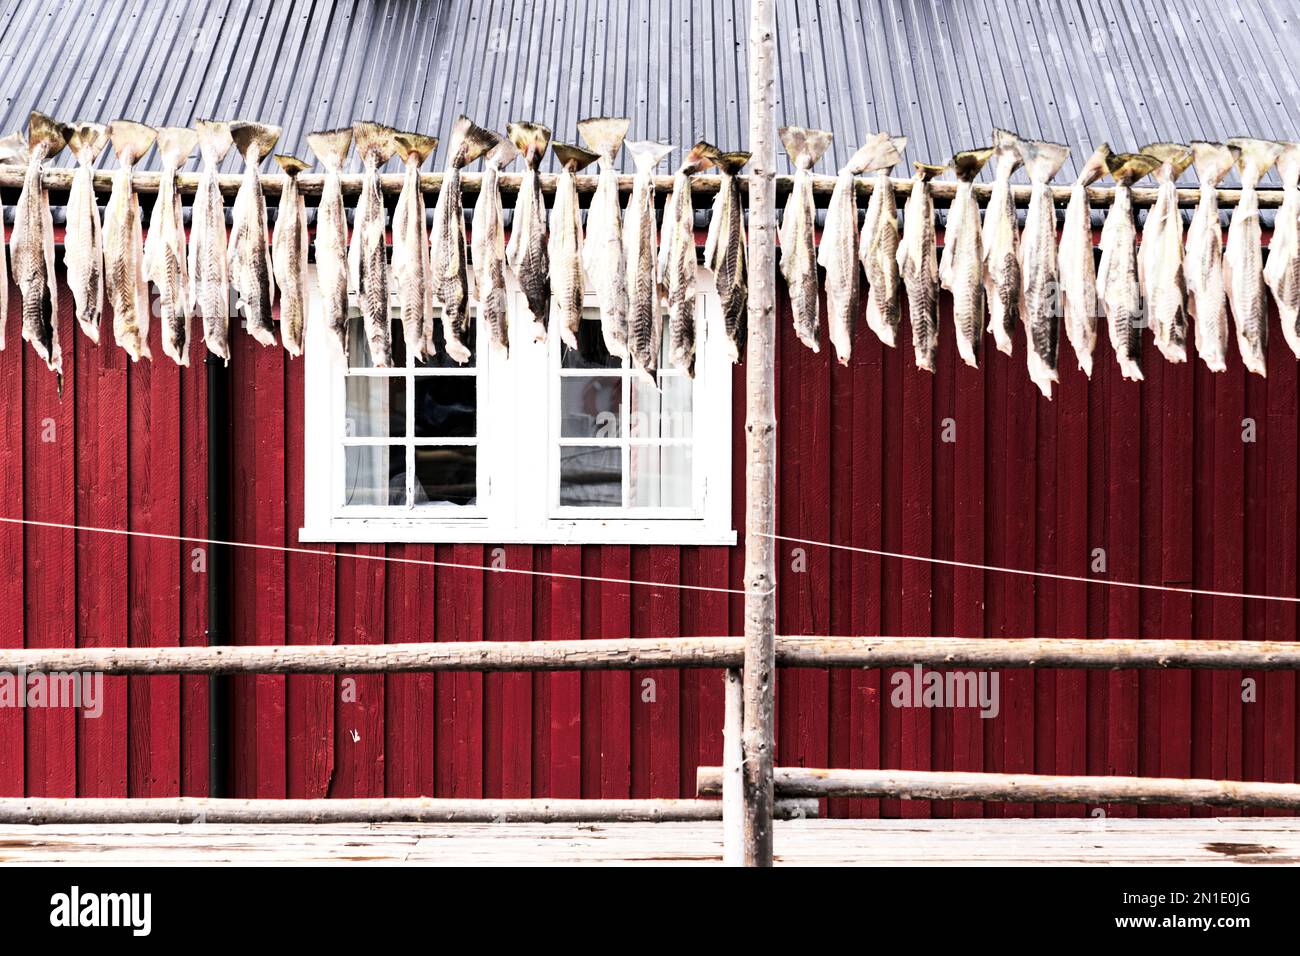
[{"x": 1155, "y": 474}]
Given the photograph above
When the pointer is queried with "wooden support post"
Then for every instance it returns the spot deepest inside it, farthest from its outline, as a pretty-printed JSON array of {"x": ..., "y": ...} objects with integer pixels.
[
  {"x": 733, "y": 799},
  {"x": 760, "y": 440}
]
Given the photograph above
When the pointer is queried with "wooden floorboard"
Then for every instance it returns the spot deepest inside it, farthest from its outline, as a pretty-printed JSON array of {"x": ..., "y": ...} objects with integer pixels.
[{"x": 1200, "y": 842}]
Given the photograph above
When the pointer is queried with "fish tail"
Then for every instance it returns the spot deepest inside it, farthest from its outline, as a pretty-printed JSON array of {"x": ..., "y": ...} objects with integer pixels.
[
  {"x": 1255, "y": 154},
  {"x": 1174, "y": 158},
  {"x": 469, "y": 141},
  {"x": 331, "y": 147},
  {"x": 879, "y": 152},
  {"x": 926, "y": 171},
  {"x": 176, "y": 143},
  {"x": 1095, "y": 167},
  {"x": 1212, "y": 161},
  {"x": 1042, "y": 159},
  {"x": 1006, "y": 147},
  {"x": 44, "y": 130},
  {"x": 732, "y": 162},
  {"x": 414, "y": 147},
  {"x": 531, "y": 139},
  {"x": 604, "y": 135},
  {"x": 804, "y": 146},
  {"x": 291, "y": 165},
  {"x": 256, "y": 138},
  {"x": 1128, "y": 168},
  {"x": 572, "y": 158},
  {"x": 87, "y": 141},
  {"x": 214, "y": 140},
  {"x": 374, "y": 141},
  {"x": 967, "y": 164},
  {"x": 502, "y": 153},
  {"x": 130, "y": 140},
  {"x": 647, "y": 154}
]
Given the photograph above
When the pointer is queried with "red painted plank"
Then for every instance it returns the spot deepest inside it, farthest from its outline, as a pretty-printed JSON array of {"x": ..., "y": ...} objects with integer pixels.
[
  {"x": 12, "y": 552},
  {"x": 616, "y": 687},
  {"x": 656, "y": 694},
  {"x": 1046, "y": 682},
  {"x": 49, "y": 494},
  {"x": 193, "y": 467},
  {"x": 566, "y": 687},
  {"x": 1150, "y": 557},
  {"x": 359, "y": 698},
  {"x": 589, "y": 727},
  {"x": 1229, "y": 549},
  {"x": 1204, "y": 494},
  {"x": 1256, "y": 732},
  {"x": 705, "y": 688},
  {"x": 459, "y": 697},
  {"x": 409, "y": 700},
  {"x": 100, "y": 400},
  {"x": 942, "y": 606},
  {"x": 508, "y": 698},
  {"x": 998, "y": 616}
]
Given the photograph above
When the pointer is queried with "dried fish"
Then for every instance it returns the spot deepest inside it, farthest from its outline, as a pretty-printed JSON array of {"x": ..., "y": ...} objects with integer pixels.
[
  {"x": 32, "y": 243},
  {"x": 13, "y": 152},
  {"x": 1282, "y": 271},
  {"x": 331, "y": 148},
  {"x": 527, "y": 250},
  {"x": 565, "y": 246},
  {"x": 411, "y": 265},
  {"x": 368, "y": 253},
  {"x": 289, "y": 255},
  {"x": 164, "y": 247},
  {"x": 918, "y": 265},
  {"x": 677, "y": 265},
  {"x": 1207, "y": 296},
  {"x": 489, "y": 245},
  {"x": 796, "y": 233},
  {"x": 83, "y": 242},
  {"x": 878, "y": 247},
  {"x": 1160, "y": 256},
  {"x": 1039, "y": 271},
  {"x": 128, "y": 290},
  {"x": 1077, "y": 267},
  {"x": 209, "y": 268},
  {"x": 1118, "y": 285},
  {"x": 644, "y": 318},
  {"x": 1243, "y": 257},
  {"x": 726, "y": 255},
  {"x": 602, "y": 248},
  {"x": 250, "y": 252},
  {"x": 450, "y": 258},
  {"x": 961, "y": 267},
  {"x": 1001, "y": 244}
]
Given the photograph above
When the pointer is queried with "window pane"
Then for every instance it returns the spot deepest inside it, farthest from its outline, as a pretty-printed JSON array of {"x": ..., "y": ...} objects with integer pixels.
[
  {"x": 376, "y": 407},
  {"x": 359, "y": 348},
  {"x": 445, "y": 406},
  {"x": 663, "y": 412},
  {"x": 446, "y": 475},
  {"x": 660, "y": 476},
  {"x": 591, "y": 351},
  {"x": 589, "y": 406},
  {"x": 441, "y": 359},
  {"x": 374, "y": 475},
  {"x": 591, "y": 477}
]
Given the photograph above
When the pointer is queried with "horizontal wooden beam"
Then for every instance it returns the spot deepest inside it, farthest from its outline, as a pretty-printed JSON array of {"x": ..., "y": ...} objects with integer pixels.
[
  {"x": 802, "y": 782},
  {"x": 50, "y": 810},
  {"x": 643, "y": 653},
  {"x": 703, "y": 188}
]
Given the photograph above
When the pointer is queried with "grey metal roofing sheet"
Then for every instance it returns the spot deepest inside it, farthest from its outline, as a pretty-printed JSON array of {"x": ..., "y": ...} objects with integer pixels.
[{"x": 943, "y": 73}]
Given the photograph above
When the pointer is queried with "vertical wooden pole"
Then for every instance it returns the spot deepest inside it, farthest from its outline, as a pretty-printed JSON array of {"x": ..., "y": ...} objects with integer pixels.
[
  {"x": 760, "y": 443},
  {"x": 733, "y": 799}
]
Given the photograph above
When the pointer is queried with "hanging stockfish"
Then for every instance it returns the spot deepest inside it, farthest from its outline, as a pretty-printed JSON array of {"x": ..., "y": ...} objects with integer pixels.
[
  {"x": 1118, "y": 285},
  {"x": 488, "y": 245},
  {"x": 644, "y": 317},
  {"x": 331, "y": 148},
  {"x": 289, "y": 255},
  {"x": 1160, "y": 255},
  {"x": 32, "y": 243},
  {"x": 725, "y": 252},
  {"x": 878, "y": 248},
  {"x": 677, "y": 265},
  {"x": 128, "y": 290},
  {"x": 83, "y": 242},
  {"x": 564, "y": 248},
  {"x": 410, "y": 246},
  {"x": 1243, "y": 257},
  {"x": 13, "y": 152},
  {"x": 797, "y": 231},
  {"x": 164, "y": 247},
  {"x": 602, "y": 247},
  {"x": 1282, "y": 271},
  {"x": 1077, "y": 267},
  {"x": 250, "y": 250},
  {"x": 918, "y": 265},
  {"x": 1039, "y": 269},
  {"x": 961, "y": 268},
  {"x": 209, "y": 268},
  {"x": 1001, "y": 244},
  {"x": 1207, "y": 296},
  {"x": 368, "y": 254},
  {"x": 527, "y": 251}
]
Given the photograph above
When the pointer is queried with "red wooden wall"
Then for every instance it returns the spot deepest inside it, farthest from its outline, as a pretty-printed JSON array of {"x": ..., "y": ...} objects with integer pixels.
[{"x": 1156, "y": 474}]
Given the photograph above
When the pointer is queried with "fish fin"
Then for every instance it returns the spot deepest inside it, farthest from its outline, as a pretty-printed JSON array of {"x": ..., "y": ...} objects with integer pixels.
[
  {"x": 647, "y": 154},
  {"x": 1259, "y": 153},
  {"x": 331, "y": 146},
  {"x": 1176, "y": 156},
  {"x": 469, "y": 141},
  {"x": 604, "y": 135},
  {"x": 572, "y": 158},
  {"x": 531, "y": 139},
  {"x": 1212, "y": 161},
  {"x": 291, "y": 165},
  {"x": 926, "y": 171},
  {"x": 257, "y": 137},
  {"x": 502, "y": 153},
  {"x": 1096, "y": 166},
  {"x": 1128, "y": 168},
  {"x": 13, "y": 149},
  {"x": 373, "y": 141},
  {"x": 804, "y": 146},
  {"x": 414, "y": 146},
  {"x": 87, "y": 141},
  {"x": 45, "y": 130},
  {"x": 130, "y": 140},
  {"x": 176, "y": 143},
  {"x": 1043, "y": 159},
  {"x": 214, "y": 140},
  {"x": 968, "y": 163},
  {"x": 1007, "y": 144},
  {"x": 733, "y": 162}
]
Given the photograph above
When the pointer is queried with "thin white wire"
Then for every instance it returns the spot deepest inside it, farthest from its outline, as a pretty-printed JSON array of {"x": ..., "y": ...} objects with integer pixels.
[
  {"x": 374, "y": 557},
  {"x": 1036, "y": 574}
]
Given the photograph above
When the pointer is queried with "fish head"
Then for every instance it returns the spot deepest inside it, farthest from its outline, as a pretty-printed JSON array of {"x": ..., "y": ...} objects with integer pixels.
[{"x": 804, "y": 146}]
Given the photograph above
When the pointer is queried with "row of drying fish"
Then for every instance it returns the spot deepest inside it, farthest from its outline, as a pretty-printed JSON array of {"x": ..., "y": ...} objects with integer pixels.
[
  {"x": 1026, "y": 277},
  {"x": 635, "y": 270}
]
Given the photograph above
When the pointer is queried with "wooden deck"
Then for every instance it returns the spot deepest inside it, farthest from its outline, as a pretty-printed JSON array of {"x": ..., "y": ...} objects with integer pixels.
[{"x": 1225, "y": 841}]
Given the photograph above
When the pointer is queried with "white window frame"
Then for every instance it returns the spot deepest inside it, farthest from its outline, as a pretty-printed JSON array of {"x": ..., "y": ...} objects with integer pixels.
[{"x": 518, "y": 449}]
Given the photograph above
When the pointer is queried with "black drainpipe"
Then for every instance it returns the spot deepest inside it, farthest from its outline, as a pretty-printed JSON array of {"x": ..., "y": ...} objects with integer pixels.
[{"x": 218, "y": 426}]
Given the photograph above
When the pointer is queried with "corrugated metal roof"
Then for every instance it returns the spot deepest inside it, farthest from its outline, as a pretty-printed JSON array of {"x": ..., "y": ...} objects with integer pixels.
[{"x": 942, "y": 73}]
